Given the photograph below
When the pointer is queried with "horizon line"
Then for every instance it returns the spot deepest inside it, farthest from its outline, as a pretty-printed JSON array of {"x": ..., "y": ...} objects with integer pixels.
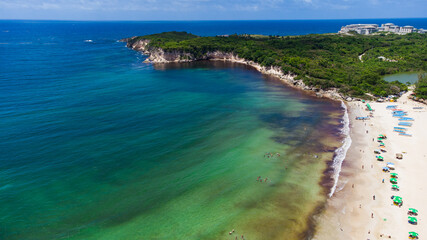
[{"x": 194, "y": 20}]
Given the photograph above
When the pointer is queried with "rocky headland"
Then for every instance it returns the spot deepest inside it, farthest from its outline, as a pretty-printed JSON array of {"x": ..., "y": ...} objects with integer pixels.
[{"x": 159, "y": 56}]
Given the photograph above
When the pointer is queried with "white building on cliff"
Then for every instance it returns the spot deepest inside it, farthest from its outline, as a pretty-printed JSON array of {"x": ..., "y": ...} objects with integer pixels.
[{"x": 366, "y": 29}]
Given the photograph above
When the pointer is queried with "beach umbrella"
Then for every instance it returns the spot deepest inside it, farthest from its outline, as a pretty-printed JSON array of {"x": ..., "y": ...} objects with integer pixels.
[
  {"x": 412, "y": 220},
  {"x": 382, "y": 144},
  {"x": 380, "y": 158},
  {"x": 393, "y": 180},
  {"x": 395, "y": 187},
  {"x": 413, "y": 210},
  {"x": 413, "y": 235},
  {"x": 390, "y": 163},
  {"x": 386, "y": 169},
  {"x": 397, "y": 197},
  {"x": 393, "y": 175}
]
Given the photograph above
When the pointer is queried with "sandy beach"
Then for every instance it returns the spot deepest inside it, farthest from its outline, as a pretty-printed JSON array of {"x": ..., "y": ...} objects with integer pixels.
[{"x": 361, "y": 207}]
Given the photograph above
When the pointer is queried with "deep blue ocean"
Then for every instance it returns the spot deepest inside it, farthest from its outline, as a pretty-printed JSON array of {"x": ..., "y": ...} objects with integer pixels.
[{"x": 95, "y": 144}]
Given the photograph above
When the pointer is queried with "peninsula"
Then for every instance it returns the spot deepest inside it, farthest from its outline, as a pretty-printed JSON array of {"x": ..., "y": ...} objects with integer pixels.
[{"x": 331, "y": 65}]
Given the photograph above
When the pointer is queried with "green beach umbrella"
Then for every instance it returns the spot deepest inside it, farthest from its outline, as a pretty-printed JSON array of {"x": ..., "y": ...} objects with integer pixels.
[
  {"x": 413, "y": 234},
  {"x": 394, "y": 186},
  {"x": 380, "y": 157},
  {"x": 398, "y": 198},
  {"x": 412, "y": 219},
  {"x": 413, "y": 210},
  {"x": 382, "y": 144},
  {"x": 393, "y": 180},
  {"x": 381, "y": 136},
  {"x": 397, "y": 201},
  {"x": 393, "y": 175}
]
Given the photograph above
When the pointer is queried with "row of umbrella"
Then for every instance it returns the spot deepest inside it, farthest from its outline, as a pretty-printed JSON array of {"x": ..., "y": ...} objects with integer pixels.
[
  {"x": 413, "y": 220},
  {"x": 412, "y": 212},
  {"x": 393, "y": 179}
]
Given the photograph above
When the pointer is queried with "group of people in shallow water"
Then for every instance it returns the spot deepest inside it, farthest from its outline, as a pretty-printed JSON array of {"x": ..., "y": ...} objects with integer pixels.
[
  {"x": 271, "y": 155},
  {"x": 259, "y": 179},
  {"x": 232, "y": 231}
]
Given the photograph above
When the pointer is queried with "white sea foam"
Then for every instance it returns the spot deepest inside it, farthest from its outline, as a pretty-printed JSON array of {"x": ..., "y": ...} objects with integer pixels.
[{"x": 341, "y": 152}]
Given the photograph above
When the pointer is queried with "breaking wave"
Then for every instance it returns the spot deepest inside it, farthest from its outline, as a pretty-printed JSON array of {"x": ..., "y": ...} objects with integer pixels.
[{"x": 341, "y": 152}]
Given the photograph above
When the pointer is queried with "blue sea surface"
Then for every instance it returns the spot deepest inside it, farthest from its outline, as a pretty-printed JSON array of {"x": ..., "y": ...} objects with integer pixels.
[{"x": 96, "y": 144}]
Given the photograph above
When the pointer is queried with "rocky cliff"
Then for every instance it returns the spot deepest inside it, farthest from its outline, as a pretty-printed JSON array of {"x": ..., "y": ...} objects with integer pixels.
[{"x": 158, "y": 55}]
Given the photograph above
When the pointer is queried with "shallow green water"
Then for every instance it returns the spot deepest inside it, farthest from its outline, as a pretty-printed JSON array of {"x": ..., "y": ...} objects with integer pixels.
[{"x": 98, "y": 145}]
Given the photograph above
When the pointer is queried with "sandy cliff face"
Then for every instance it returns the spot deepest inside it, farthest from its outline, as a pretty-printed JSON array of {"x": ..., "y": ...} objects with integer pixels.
[{"x": 158, "y": 55}]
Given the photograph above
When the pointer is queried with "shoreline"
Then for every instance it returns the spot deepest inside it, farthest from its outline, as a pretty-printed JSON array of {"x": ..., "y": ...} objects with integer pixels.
[
  {"x": 361, "y": 208},
  {"x": 329, "y": 179}
]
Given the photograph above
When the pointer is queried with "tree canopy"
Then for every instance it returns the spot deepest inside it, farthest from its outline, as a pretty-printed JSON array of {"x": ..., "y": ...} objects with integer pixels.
[
  {"x": 421, "y": 86},
  {"x": 320, "y": 60}
]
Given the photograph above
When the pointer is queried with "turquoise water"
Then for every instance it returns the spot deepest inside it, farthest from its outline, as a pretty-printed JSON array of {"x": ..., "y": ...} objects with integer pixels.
[
  {"x": 98, "y": 145},
  {"x": 402, "y": 77}
]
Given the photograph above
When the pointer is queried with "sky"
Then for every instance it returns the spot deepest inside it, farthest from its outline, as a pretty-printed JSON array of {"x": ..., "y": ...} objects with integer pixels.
[{"x": 210, "y": 9}]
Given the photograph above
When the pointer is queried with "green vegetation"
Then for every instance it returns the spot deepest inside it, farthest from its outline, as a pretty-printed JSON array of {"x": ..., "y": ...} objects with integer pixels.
[
  {"x": 320, "y": 60},
  {"x": 421, "y": 86},
  {"x": 166, "y": 37}
]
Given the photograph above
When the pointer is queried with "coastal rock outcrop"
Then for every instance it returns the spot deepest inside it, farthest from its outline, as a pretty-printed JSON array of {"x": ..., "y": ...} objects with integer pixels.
[{"x": 158, "y": 55}]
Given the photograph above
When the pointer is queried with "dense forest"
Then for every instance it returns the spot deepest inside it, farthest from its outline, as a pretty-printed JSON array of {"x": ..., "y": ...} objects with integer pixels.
[
  {"x": 320, "y": 60},
  {"x": 421, "y": 86}
]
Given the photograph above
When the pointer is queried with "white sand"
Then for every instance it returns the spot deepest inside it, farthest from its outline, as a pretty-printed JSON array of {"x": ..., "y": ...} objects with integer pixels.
[{"x": 348, "y": 212}]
